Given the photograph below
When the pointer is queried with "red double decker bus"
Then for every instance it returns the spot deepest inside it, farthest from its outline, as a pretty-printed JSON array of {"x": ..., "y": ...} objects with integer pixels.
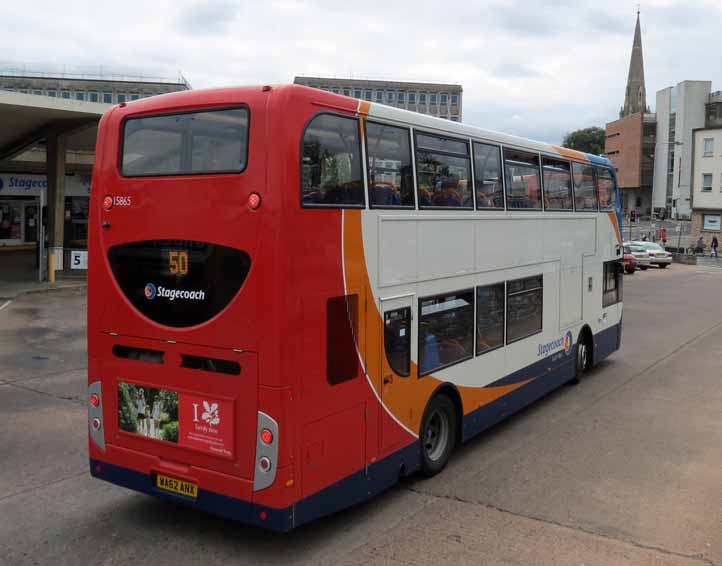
[{"x": 280, "y": 326}]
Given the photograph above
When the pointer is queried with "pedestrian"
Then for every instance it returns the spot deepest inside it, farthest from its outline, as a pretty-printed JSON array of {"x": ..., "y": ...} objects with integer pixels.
[
  {"x": 644, "y": 237},
  {"x": 699, "y": 248},
  {"x": 140, "y": 412},
  {"x": 155, "y": 432},
  {"x": 714, "y": 245},
  {"x": 663, "y": 237}
]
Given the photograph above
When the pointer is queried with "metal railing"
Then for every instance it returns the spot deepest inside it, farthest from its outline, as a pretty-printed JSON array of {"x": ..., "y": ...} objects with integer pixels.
[{"x": 85, "y": 72}]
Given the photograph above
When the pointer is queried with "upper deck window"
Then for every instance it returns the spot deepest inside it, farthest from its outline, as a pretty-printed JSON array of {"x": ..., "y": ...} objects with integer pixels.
[
  {"x": 585, "y": 193},
  {"x": 557, "y": 185},
  {"x": 443, "y": 171},
  {"x": 522, "y": 180},
  {"x": 390, "y": 174},
  {"x": 211, "y": 141},
  {"x": 605, "y": 189},
  {"x": 331, "y": 163},
  {"x": 487, "y": 176}
]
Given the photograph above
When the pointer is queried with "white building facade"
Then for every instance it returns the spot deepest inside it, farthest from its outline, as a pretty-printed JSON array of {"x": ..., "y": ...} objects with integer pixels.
[
  {"x": 680, "y": 110},
  {"x": 707, "y": 183}
]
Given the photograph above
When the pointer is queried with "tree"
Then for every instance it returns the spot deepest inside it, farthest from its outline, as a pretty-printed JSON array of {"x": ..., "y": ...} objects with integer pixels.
[
  {"x": 126, "y": 408},
  {"x": 590, "y": 140}
]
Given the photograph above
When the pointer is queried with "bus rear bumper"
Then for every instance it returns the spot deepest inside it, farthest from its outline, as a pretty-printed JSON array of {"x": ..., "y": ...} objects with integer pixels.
[
  {"x": 209, "y": 501},
  {"x": 351, "y": 490}
]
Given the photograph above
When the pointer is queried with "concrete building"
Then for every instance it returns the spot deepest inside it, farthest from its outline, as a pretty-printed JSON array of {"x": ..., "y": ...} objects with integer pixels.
[
  {"x": 440, "y": 100},
  {"x": 629, "y": 141},
  {"x": 680, "y": 110},
  {"x": 707, "y": 172},
  {"x": 47, "y": 144},
  {"x": 85, "y": 84}
]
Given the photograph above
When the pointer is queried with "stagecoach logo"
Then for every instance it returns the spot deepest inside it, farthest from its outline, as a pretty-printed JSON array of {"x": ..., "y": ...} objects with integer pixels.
[
  {"x": 568, "y": 342},
  {"x": 151, "y": 292},
  {"x": 549, "y": 347}
]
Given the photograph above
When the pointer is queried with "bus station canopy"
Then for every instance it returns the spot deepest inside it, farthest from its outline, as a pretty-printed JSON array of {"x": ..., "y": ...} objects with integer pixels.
[
  {"x": 53, "y": 137},
  {"x": 27, "y": 120}
]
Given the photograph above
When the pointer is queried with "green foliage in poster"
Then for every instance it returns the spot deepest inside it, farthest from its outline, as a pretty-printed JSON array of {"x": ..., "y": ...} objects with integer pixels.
[{"x": 126, "y": 408}]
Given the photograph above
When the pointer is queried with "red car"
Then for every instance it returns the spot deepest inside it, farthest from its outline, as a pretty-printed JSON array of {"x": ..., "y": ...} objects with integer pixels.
[{"x": 630, "y": 262}]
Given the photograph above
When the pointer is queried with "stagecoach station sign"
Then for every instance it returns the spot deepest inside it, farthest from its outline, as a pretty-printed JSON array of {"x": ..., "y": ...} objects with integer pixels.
[{"x": 14, "y": 185}]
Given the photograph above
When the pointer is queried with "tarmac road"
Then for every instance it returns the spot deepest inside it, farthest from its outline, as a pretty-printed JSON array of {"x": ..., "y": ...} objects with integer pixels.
[{"x": 625, "y": 468}]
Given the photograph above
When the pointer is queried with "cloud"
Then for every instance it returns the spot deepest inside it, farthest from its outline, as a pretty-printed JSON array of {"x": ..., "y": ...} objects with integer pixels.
[
  {"x": 558, "y": 64},
  {"x": 206, "y": 18}
]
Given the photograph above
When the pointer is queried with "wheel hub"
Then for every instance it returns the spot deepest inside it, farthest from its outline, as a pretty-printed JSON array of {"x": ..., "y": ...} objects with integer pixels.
[{"x": 436, "y": 435}]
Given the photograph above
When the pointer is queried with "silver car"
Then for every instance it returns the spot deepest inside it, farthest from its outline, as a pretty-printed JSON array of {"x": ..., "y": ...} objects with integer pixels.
[
  {"x": 640, "y": 254},
  {"x": 657, "y": 254}
]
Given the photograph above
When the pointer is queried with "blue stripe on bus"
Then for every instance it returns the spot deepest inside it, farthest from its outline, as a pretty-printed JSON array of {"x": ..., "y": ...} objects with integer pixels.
[
  {"x": 381, "y": 475},
  {"x": 492, "y": 413},
  {"x": 537, "y": 369},
  {"x": 606, "y": 342},
  {"x": 209, "y": 501},
  {"x": 346, "y": 492}
]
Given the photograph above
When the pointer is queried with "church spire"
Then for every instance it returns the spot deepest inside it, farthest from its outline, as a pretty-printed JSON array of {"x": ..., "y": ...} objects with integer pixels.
[{"x": 635, "y": 99}]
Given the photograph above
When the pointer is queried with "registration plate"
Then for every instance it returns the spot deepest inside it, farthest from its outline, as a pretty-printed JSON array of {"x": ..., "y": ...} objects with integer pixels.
[{"x": 174, "y": 485}]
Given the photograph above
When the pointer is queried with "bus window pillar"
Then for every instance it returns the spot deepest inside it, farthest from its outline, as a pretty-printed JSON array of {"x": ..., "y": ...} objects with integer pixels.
[{"x": 56, "y": 148}]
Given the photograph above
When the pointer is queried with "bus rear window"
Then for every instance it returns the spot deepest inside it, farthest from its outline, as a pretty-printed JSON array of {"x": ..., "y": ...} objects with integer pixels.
[{"x": 211, "y": 141}]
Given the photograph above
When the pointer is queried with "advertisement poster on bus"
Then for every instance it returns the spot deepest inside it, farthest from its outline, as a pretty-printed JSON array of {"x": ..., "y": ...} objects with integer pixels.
[{"x": 193, "y": 421}]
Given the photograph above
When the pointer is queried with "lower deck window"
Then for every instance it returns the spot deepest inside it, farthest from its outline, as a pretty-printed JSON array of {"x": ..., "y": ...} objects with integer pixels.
[
  {"x": 397, "y": 340},
  {"x": 489, "y": 317},
  {"x": 612, "y": 288},
  {"x": 524, "y": 308},
  {"x": 446, "y": 330},
  {"x": 341, "y": 332}
]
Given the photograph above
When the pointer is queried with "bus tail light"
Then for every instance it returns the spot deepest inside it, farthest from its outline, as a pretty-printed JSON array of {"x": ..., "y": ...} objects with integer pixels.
[
  {"x": 266, "y": 436},
  {"x": 254, "y": 201},
  {"x": 95, "y": 415},
  {"x": 266, "y": 452}
]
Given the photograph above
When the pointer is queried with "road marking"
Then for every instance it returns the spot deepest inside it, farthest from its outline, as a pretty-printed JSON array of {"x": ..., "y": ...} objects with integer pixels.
[{"x": 6, "y": 304}]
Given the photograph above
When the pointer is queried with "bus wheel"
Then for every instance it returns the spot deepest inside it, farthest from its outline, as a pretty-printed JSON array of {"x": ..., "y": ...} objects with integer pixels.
[
  {"x": 438, "y": 435},
  {"x": 584, "y": 352}
]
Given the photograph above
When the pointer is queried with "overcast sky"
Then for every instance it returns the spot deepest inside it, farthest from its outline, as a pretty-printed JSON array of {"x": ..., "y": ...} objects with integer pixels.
[{"x": 532, "y": 68}]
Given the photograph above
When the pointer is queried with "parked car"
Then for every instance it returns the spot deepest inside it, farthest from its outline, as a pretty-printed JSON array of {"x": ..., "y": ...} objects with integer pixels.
[
  {"x": 640, "y": 255},
  {"x": 630, "y": 262},
  {"x": 657, "y": 254}
]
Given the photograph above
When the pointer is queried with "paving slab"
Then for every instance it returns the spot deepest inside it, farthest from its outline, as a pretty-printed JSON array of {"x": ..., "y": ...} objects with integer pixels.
[
  {"x": 43, "y": 439},
  {"x": 83, "y": 521},
  {"x": 454, "y": 532}
]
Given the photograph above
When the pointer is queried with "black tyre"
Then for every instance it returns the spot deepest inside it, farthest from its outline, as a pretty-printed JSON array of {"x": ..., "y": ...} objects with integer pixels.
[
  {"x": 438, "y": 435},
  {"x": 643, "y": 268},
  {"x": 663, "y": 265},
  {"x": 583, "y": 363}
]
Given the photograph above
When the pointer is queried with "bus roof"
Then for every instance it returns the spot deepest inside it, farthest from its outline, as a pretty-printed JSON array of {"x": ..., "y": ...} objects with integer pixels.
[{"x": 371, "y": 110}]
